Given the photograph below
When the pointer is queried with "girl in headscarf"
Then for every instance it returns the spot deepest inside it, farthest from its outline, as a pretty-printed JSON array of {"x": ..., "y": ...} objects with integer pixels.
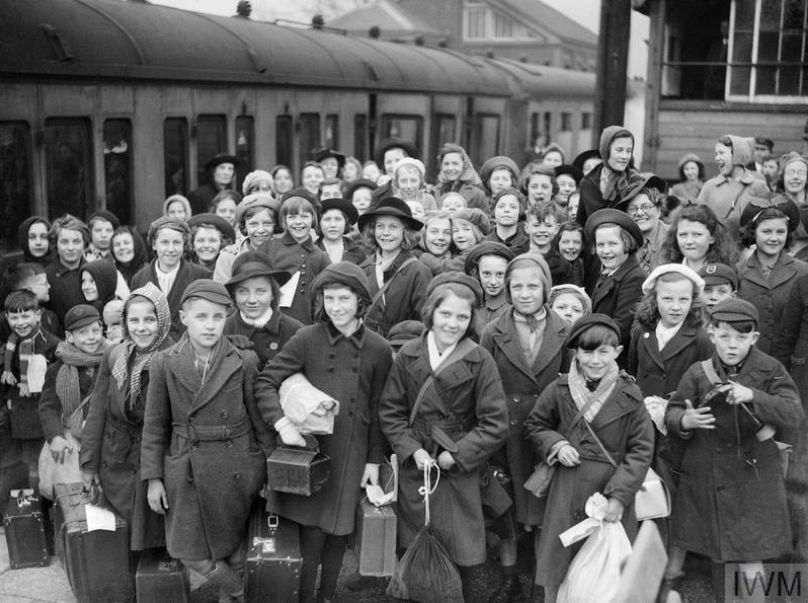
[
  {"x": 691, "y": 173},
  {"x": 457, "y": 174},
  {"x": 34, "y": 242},
  {"x": 98, "y": 280},
  {"x": 128, "y": 252},
  {"x": 110, "y": 451}
]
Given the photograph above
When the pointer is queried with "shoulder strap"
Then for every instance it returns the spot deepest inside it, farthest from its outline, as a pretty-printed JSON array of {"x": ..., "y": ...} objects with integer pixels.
[
  {"x": 609, "y": 457},
  {"x": 737, "y": 198},
  {"x": 386, "y": 284},
  {"x": 463, "y": 348},
  {"x": 710, "y": 372}
]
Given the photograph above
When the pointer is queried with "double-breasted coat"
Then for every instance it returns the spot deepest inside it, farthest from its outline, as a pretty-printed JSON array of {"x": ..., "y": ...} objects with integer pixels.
[
  {"x": 201, "y": 440},
  {"x": 353, "y": 371},
  {"x": 730, "y": 504},
  {"x": 523, "y": 382},
  {"x": 769, "y": 295},
  {"x": 267, "y": 340},
  {"x": 623, "y": 426},
  {"x": 110, "y": 448},
  {"x": 467, "y": 404}
]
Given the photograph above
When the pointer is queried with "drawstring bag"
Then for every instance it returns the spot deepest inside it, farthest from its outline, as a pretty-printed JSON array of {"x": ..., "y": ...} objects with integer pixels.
[{"x": 426, "y": 573}]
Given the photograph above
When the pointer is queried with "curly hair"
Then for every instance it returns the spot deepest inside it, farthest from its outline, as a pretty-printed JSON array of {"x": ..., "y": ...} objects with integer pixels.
[
  {"x": 647, "y": 314},
  {"x": 748, "y": 232},
  {"x": 723, "y": 249},
  {"x": 408, "y": 243},
  {"x": 437, "y": 297}
]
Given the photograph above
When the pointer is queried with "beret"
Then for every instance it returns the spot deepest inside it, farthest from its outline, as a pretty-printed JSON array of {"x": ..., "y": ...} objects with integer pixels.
[
  {"x": 734, "y": 310},
  {"x": 209, "y": 290},
  {"x": 81, "y": 316},
  {"x": 613, "y": 216},
  {"x": 718, "y": 274},
  {"x": 459, "y": 278},
  {"x": 690, "y": 274},
  {"x": 344, "y": 273},
  {"x": 344, "y": 206},
  {"x": 264, "y": 200},
  {"x": 585, "y": 322},
  {"x": 219, "y": 223},
  {"x": 486, "y": 248}
]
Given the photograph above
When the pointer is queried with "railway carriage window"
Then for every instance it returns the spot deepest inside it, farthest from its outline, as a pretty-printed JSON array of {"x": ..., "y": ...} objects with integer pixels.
[
  {"x": 586, "y": 120},
  {"x": 566, "y": 122},
  {"x": 211, "y": 138},
  {"x": 406, "y": 127},
  {"x": 15, "y": 180},
  {"x": 175, "y": 155},
  {"x": 446, "y": 128},
  {"x": 309, "y": 135},
  {"x": 486, "y": 138},
  {"x": 68, "y": 166},
  {"x": 245, "y": 147},
  {"x": 118, "y": 167},
  {"x": 283, "y": 141},
  {"x": 548, "y": 125},
  {"x": 535, "y": 127},
  {"x": 331, "y": 132},
  {"x": 360, "y": 136}
]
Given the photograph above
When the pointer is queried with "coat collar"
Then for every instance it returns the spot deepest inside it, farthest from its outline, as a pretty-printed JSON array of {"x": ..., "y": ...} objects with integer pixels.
[
  {"x": 650, "y": 346},
  {"x": 288, "y": 240},
  {"x": 784, "y": 270},
  {"x": 555, "y": 333},
  {"x": 357, "y": 338},
  {"x": 624, "y": 399},
  {"x": 615, "y": 279}
]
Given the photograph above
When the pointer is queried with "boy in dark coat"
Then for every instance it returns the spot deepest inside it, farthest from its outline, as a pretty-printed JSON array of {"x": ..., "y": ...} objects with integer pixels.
[{"x": 201, "y": 421}]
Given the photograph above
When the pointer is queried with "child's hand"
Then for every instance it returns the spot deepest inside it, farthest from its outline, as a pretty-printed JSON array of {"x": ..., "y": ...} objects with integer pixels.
[
  {"x": 446, "y": 460},
  {"x": 736, "y": 393},
  {"x": 291, "y": 436},
  {"x": 89, "y": 480},
  {"x": 370, "y": 475},
  {"x": 59, "y": 449},
  {"x": 697, "y": 418},
  {"x": 422, "y": 458},
  {"x": 568, "y": 456},
  {"x": 157, "y": 497},
  {"x": 614, "y": 511}
]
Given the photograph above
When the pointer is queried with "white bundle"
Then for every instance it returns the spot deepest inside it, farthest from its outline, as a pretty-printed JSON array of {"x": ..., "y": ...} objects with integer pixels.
[{"x": 311, "y": 410}]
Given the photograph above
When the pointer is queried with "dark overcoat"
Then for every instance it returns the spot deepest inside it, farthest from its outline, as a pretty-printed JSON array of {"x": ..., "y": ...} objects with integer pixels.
[
  {"x": 467, "y": 403},
  {"x": 50, "y": 407},
  {"x": 623, "y": 426},
  {"x": 110, "y": 448},
  {"x": 200, "y": 439},
  {"x": 269, "y": 339},
  {"x": 768, "y": 295},
  {"x": 523, "y": 383},
  {"x": 405, "y": 296},
  {"x": 353, "y": 371},
  {"x": 352, "y": 251},
  {"x": 731, "y": 502},
  {"x": 65, "y": 291},
  {"x": 187, "y": 274},
  {"x": 591, "y": 198}
]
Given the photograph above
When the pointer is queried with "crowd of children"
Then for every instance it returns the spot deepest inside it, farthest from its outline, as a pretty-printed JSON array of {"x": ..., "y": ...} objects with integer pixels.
[{"x": 567, "y": 319}]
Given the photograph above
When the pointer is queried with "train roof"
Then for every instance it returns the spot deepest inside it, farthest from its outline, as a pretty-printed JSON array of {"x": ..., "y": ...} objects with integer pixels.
[
  {"x": 98, "y": 39},
  {"x": 549, "y": 82}
]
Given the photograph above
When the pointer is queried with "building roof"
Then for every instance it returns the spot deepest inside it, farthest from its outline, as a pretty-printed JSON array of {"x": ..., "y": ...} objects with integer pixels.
[
  {"x": 388, "y": 16},
  {"x": 540, "y": 16}
]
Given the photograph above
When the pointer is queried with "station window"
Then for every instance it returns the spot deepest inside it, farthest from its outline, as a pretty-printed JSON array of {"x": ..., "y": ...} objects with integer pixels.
[
  {"x": 68, "y": 166},
  {"x": 331, "y": 132},
  {"x": 406, "y": 127},
  {"x": 566, "y": 122},
  {"x": 245, "y": 148},
  {"x": 211, "y": 139},
  {"x": 283, "y": 141},
  {"x": 535, "y": 128},
  {"x": 15, "y": 174},
  {"x": 309, "y": 135},
  {"x": 547, "y": 125},
  {"x": 586, "y": 120},
  {"x": 118, "y": 168},
  {"x": 175, "y": 155},
  {"x": 361, "y": 136},
  {"x": 486, "y": 137},
  {"x": 444, "y": 129}
]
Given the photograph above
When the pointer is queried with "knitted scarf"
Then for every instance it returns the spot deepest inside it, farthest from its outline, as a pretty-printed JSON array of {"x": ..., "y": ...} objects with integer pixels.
[
  {"x": 67, "y": 381},
  {"x": 26, "y": 353},
  {"x": 139, "y": 359},
  {"x": 581, "y": 394}
]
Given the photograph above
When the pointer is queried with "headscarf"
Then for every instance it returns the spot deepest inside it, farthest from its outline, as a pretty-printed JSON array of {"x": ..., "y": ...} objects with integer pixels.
[
  {"x": 742, "y": 149},
  {"x": 180, "y": 199},
  {"x": 141, "y": 359},
  {"x": 616, "y": 183},
  {"x": 106, "y": 279},
  {"x": 141, "y": 257},
  {"x": 22, "y": 238},
  {"x": 468, "y": 175}
]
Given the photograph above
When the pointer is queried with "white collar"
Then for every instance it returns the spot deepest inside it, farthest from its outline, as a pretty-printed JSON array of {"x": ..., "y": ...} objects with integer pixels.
[
  {"x": 259, "y": 322},
  {"x": 436, "y": 357}
]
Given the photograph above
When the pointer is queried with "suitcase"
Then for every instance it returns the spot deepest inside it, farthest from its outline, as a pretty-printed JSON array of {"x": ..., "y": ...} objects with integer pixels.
[
  {"x": 97, "y": 562},
  {"x": 375, "y": 541},
  {"x": 273, "y": 562},
  {"x": 161, "y": 578},
  {"x": 62, "y": 494},
  {"x": 297, "y": 470},
  {"x": 24, "y": 525}
]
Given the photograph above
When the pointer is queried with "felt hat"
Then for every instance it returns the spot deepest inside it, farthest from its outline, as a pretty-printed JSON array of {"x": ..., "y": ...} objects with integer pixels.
[
  {"x": 687, "y": 272},
  {"x": 788, "y": 208},
  {"x": 264, "y": 200},
  {"x": 394, "y": 143},
  {"x": 641, "y": 182},
  {"x": 498, "y": 162},
  {"x": 575, "y": 290},
  {"x": 105, "y": 215},
  {"x": 343, "y": 273},
  {"x": 209, "y": 290},
  {"x": 166, "y": 222},
  {"x": 219, "y": 223},
  {"x": 582, "y": 157},
  {"x": 538, "y": 260},
  {"x": 573, "y": 171},
  {"x": 718, "y": 274},
  {"x": 221, "y": 158},
  {"x": 357, "y": 184},
  {"x": 81, "y": 316},
  {"x": 391, "y": 206},
  {"x": 475, "y": 216},
  {"x": 253, "y": 177},
  {"x": 613, "y": 216},
  {"x": 459, "y": 278},
  {"x": 734, "y": 309},
  {"x": 321, "y": 154},
  {"x": 344, "y": 206},
  {"x": 404, "y": 331},
  {"x": 255, "y": 263},
  {"x": 586, "y": 322},
  {"x": 486, "y": 248}
]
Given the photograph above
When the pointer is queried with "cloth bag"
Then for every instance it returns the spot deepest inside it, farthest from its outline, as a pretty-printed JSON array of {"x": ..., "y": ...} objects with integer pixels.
[
  {"x": 653, "y": 500},
  {"x": 594, "y": 574},
  {"x": 52, "y": 473},
  {"x": 311, "y": 410}
]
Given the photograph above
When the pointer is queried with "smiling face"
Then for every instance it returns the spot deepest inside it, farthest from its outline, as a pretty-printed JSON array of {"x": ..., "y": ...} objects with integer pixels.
[
  {"x": 569, "y": 307},
  {"x": 609, "y": 247},
  {"x": 450, "y": 320},
  {"x": 408, "y": 180},
  {"x": 87, "y": 338},
  {"x": 70, "y": 247},
  {"x": 566, "y": 186},
  {"x": 771, "y": 236},
  {"x": 207, "y": 244},
  {"x": 596, "y": 363},
  {"x": 540, "y": 188},
  {"x": 204, "y": 321},
  {"x": 438, "y": 236},
  {"x": 141, "y": 322},
  {"x": 101, "y": 234},
  {"x": 38, "y": 244},
  {"x": 569, "y": 244},
  {"x": 312, "y": 176},
  {"x": 526, "y": 289},
  {"x": 389, "y": 233},
  {"x": 88, "y": 287},
  {"x": 24, "y": 323},
  {"x": 123, "y": 247},
  {"x": 492, "y": 274},
  {"x": 299, "y": 225},
  {"x": 694, "y": 240},
  {"x": 253, "y": 296},
  {"x": 341, "y": 306},
  {"x": 463, "y": 235},
  {"x": 500, "y": 179},
  {"x": 259, "y": 226},
  {"x": 723, "y": 159},
  {"x": 794, "y": 177},
  {"x": 226, "y": 209},
  {"x": 542, "y": 232},
  {"x": 451, "y": 166},
  {"x": 168, "y": 246},
  {"x": 674, "y": 299},
  {"x": 332, "y": 225},
  {"x": 620, "y": 151},
  {"x": 643, "y": 212}
]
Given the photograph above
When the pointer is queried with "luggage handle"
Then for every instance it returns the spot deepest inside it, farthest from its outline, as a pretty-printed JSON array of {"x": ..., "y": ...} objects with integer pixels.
[
  {"x": 24, "y": 497},
  {"x": 272, "y": 521}
]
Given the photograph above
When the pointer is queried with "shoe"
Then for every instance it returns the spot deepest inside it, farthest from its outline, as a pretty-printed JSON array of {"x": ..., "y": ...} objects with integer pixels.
[
  {"x": 669, "y": 585},
  {"x": 509, "y": 589}
]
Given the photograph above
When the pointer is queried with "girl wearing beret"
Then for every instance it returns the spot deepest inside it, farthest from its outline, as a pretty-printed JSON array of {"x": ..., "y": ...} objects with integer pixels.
[{"x": 209, "y": 235}]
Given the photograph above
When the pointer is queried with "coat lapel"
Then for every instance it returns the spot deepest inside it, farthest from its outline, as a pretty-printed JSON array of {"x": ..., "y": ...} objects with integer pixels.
[
  {"x": 225, "y": 364},
  {"x": 683, "y": 338},
  {"x": 650, "y": 345},
  {"x": 615, "y": 407},
  {"x": 508, "y": 341},
  {"x": 555, "y": 332}
]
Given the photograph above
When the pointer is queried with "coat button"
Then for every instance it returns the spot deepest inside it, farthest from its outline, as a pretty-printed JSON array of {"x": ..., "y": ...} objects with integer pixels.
[
  {"x": 516, "y": 398},
  {"x": 237, "y": 476},
  {"x": 229, "y": 444},
  {"x": 223, "y": 414},
  {"x": 514, "y": 421}
]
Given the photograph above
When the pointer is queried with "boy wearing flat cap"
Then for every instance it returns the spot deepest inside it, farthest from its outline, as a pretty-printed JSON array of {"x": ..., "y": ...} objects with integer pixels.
[
  {"x": 200, "y": 452},
  {"x": 731, "y": 501}
]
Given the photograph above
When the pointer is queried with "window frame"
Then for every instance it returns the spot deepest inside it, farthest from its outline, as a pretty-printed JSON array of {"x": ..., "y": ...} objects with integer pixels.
[
  {"x": 89, "y": 176},
  {"x": 184, "y": 185},
  {"x": 387, "y": 118},
  {"x": 246, "y": 157},
  {"x": 12, "y": 224},
  {"x": 126, "y": 214},
  {"x": 219, "y": 121}
]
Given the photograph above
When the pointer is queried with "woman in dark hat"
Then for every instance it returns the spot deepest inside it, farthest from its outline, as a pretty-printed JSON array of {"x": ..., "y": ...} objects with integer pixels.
[
  {"x": 337, "y": 219},
  {"x": 209, "y": 235},
  {"x": 222, "y": 170},
  {"x": 397, "y": 279},
  {"x": 349, "y": 363},
  {"x": 643, "y": 202},
  {"x": 568, "y": 178},
  {"x": 458, "y": 175},
  {"x": 331, "y": 161},
  {"x": 255, "y": 289},
  {"x": 129, "y": 252},
  {"x": 766, "y": 277}
]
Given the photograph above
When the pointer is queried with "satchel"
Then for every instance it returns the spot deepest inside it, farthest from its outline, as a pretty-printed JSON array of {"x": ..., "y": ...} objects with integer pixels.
[
  {"x": 539, "y": 481},
  {"x": 653, "y": 500}
]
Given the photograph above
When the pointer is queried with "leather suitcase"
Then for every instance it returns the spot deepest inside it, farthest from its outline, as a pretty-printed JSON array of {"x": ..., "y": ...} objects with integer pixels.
[
  {"x": 273, "y": 562},
  {"x": 297, "y": 470},
  {"x": 161, "y": 578},
  {"x": 63, "y": 494},
  {"x": 24, "y": 525},
  {"x": 97, "y": 563},
  {"x": 375, "y": 541}
]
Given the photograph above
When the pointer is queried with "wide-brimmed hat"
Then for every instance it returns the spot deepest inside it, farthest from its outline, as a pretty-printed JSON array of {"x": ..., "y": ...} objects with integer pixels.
[
  {"x": 357, "y": 184},
  {"x": 613, "y": 216},
  {"x": 255, "y": 263},
  {"x": 663, "y": 269},
  {"x": 394, "y": 143},
  {"x": 344, "y": 206},
  {"x": 486, "y": 248},
  {"x": 789, "y": 209},
  {"x": 219, "y": 223},
  {"x": 221, "y": 158},
  {"x": 395, "y": 207},
  {"x": 583, "y": 157},
  {"x": 320, "y": 154},
  {"x": 573, "y": 171},
  {"x": 641, "y": 182}
]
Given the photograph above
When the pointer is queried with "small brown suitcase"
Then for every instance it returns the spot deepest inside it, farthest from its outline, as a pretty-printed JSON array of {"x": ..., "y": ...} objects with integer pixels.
[
  {"x": 161, "y": 578},
  {"x": 273, "y": 563},
  {"x": 297, "y": 470},
  {"x": 25, "y": 530},
  {"x": 375, "y": 543},
  {"x": 63, "y": 494}
]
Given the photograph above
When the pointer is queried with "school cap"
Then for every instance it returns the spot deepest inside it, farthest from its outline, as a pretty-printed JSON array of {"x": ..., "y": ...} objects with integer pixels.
[
  {"x": 209, "y": 290},
  {"x": 586, "y": 322},
  {"x": 404, "y": 331},
  {"x": 734, "y": 310},
  {"x": 690, "y": 274},
  {"x": 81, "y": 316},
  {"x": 718, "y": 274},
  {"x": 458, "y": 278}
]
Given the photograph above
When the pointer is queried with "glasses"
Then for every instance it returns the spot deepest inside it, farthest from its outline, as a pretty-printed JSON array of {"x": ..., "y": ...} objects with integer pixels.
[{"x": 643, "y": 207}]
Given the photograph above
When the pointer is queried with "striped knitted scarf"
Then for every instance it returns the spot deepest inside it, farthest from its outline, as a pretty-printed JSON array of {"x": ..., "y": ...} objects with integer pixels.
[
  {"x": 26, "y": 353},
  {"x": 581, "y": 394},
  {"x": 68, "y": 389}
]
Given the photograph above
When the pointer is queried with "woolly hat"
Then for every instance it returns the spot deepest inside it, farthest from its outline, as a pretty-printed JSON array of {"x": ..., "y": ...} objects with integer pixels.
[
  {"x": 255, "y": 176},
  {"x": 690, "y": 274},
  {"x": 527, "y": 258},
  {"x": 586, "y": 322},
  {"x": 608, "y": 136},
  {"x": 687, "y": 159},
  {"x": 554, "y": 147},
  {"x": 209, "y": 290},
  {"x": 343, "y": 273},
  {"x": 458, "y": 278},
  {"x": 578, "y": 292},
  {"x": 476, "y": 217},
  {"x": 178, "y": 199}
]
